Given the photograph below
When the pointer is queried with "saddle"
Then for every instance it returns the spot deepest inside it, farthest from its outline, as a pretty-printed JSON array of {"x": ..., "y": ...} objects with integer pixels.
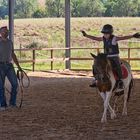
[{"x": 124, "y": 72}]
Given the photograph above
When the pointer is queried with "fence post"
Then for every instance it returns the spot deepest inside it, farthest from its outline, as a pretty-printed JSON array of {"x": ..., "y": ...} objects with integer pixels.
[
  {"x": 67, "y": 33},
  {"x": 51, "y": 59},
  {"x": 20, "y": 51},
  {"x": 129, "y": 55},
  {"x": 33, "y": 60},
  {"x": 98, "y": 50},
  {"x": 11, "y": 19}
]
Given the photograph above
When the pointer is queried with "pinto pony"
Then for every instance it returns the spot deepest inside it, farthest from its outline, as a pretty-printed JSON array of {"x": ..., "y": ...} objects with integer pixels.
[{"x": 106, "y": 83}]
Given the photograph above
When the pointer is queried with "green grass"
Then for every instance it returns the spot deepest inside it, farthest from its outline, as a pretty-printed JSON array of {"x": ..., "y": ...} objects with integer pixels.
[{"x": 50, "y": 32}]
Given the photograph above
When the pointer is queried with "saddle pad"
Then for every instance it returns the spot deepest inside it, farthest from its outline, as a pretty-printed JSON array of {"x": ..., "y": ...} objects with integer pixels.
[{"x": 124, "y": 72}]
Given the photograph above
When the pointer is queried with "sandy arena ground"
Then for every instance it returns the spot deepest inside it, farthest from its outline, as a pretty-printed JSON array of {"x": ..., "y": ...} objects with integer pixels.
[{"x": 63, "y": 107}]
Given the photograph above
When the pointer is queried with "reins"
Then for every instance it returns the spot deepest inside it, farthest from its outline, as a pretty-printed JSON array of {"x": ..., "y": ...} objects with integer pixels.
[{"x": 104, "y": 73}]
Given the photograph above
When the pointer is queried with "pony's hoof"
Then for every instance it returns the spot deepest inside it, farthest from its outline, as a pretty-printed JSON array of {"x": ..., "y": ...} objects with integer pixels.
[
  {"x": 113, "y": 116},
  {"x": 124, "y": 113},
  {"x": 103, "y": 120}
]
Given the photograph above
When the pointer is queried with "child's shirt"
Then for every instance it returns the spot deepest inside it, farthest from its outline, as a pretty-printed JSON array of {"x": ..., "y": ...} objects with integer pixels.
[{"x": 111, "y": 47}]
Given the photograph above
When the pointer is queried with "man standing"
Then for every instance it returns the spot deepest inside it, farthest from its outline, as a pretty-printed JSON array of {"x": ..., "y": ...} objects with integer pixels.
[{"x": 6, "y": 69}]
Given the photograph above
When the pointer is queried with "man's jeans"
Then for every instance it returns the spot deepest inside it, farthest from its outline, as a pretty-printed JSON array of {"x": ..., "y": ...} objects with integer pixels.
[{"x": 7, "y": 70}]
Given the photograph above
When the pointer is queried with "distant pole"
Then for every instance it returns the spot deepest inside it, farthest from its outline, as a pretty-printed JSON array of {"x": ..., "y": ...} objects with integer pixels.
[
  {"x": 11, "y": 19},
  {"x": 67, "y": 32}
]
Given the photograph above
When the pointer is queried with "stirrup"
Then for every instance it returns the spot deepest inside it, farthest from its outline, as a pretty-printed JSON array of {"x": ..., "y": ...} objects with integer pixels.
[
  {"x": 120, "y": 84},
  {"x": 93, "y": 85}
]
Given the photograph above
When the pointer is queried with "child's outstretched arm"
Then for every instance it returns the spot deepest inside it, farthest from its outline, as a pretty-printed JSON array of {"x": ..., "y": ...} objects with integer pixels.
[
  {"x": 124, "y": 37},
  {"x": 137, "y": 35},
  {"x": 91, "y": 37}
]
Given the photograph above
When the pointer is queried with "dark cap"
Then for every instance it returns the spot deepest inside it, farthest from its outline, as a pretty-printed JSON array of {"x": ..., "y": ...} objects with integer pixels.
[
  {"x": 107, "y": 29},
  {"x": 4, "y": 27}
]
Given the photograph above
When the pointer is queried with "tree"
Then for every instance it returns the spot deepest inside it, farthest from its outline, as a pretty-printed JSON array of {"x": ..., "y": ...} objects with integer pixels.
[
  {"x": 88, "y": 8},
  {"x": 25, "y": 8},
  {"x": 4, "y": 2},
  {"x": 3, "y": 11},
  {"x": 55, "y": 8},
  {"x": 39, "y": 13},
  {"x": 77, "y": 6},
  {"x": 109, "y": 5},
  {"x": 95, "y": 7},
  {"x": 3, "y": 8},
  {"x": 139, "y": 8},
  {"x": 121, "y": 8},
  {"x": 126, "y": 8}
]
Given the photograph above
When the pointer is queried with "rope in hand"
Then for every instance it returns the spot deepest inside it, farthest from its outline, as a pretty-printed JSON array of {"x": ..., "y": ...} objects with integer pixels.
[{"x": 21, "y": 76}]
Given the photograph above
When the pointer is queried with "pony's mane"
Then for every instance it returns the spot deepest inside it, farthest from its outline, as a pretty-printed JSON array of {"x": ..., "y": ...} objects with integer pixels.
[{"x": 102, "y": 56}]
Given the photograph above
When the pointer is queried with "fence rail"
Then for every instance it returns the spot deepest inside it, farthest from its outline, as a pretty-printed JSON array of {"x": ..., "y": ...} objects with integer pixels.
[{"x": 53, "y": 59}]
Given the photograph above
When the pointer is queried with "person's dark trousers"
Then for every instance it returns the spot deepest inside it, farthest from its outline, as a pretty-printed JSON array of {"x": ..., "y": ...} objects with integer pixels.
[
  {"x": 7, "y": 70},
  {"x": 117, "y": 65}
]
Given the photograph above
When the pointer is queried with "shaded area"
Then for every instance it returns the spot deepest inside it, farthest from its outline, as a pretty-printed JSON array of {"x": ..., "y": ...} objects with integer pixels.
[{"x": 60, "y": 107}]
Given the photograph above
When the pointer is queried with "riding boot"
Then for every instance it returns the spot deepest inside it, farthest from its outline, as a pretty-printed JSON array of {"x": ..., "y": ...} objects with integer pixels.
[
  {"x": 94, "y": 83},
  {"x": 120, "y": 84}
]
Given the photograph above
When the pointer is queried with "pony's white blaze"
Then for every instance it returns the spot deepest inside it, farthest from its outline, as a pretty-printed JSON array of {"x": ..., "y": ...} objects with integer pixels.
[{"x": 107, "y": 95}]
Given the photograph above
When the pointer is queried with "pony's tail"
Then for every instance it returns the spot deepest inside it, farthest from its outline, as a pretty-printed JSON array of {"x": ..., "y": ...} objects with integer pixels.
[{"x": 130, "y": 89}]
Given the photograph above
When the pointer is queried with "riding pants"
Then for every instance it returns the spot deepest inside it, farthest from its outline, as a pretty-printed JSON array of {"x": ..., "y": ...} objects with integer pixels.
[{"x": 115, "y": 61}]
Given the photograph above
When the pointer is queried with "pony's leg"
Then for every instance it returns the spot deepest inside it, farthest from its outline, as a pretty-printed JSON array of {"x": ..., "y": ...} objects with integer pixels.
[
  {"x": 106, "y": 103},
  {"x": 124, "y": 113},
  {"x": 103, "y": 95},
  {"x": 115, "y": 107},
  {"x": 112, "y": 112}
]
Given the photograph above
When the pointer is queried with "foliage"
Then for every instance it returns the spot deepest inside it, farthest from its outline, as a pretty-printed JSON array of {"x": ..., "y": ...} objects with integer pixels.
[
  {"x": 25, "y": 8},
  {"x": 55, "y": 8},
  {"x": 33, "y": 45},
  {"x": 3, "y": 9},
  {"x": 39, "y": 13},
  {"x": 79, "y": 8},
  {"x": 122, "y": 8}
]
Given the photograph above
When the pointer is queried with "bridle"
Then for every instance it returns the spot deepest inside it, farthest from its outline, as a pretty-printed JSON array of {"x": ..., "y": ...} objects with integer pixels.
[{"x": 102, "y": 74}]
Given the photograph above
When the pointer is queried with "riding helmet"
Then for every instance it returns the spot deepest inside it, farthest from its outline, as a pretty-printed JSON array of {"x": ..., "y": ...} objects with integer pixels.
[{"x": 108, "y": 29}]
